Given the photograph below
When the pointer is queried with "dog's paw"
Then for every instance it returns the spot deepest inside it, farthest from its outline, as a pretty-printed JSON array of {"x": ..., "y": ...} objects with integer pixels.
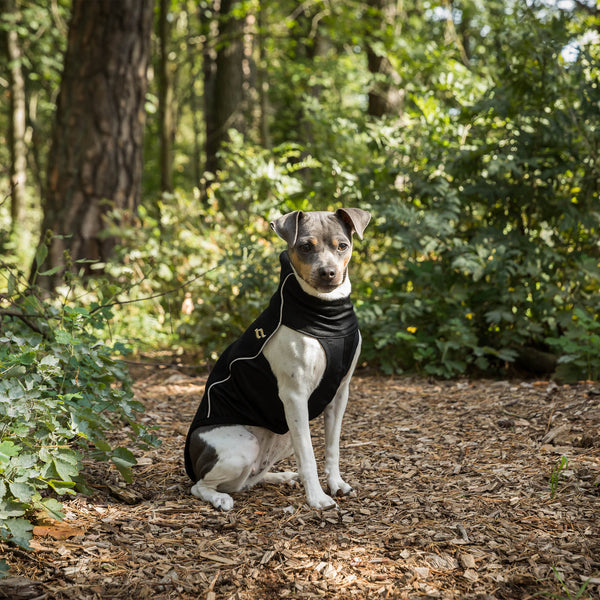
[
  {"x": 219, "y": 500},
  {"x": 222, "y": 502},
  {"x": 322, "y": 502},
  {"x": 339, "y": 487}
]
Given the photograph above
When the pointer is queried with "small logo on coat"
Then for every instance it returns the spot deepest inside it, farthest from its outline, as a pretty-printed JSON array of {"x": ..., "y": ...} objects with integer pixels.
[{"x": 259, "y": 333}]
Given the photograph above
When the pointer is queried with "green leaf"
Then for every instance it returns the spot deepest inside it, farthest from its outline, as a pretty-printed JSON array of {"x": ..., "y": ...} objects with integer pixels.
[
  {"x": 21, "y": 491},
  {"x": 20, "y": 531},
  {"x": 54, "y": 508},
  {"x": 51, "y": 271},
  {"x": 62, "y": 487},
  {"x": 3, "y": 569},
  {"x": 24, "y": 461},
  {"x": 123, "y": 459},
  {"x": 64, "y": 338},
  {"x": 41, "y": 254},
  {"x": 10, "y": 508},
  {"x": 8, "y": 449},
  {"x": 65, "y": 467}
]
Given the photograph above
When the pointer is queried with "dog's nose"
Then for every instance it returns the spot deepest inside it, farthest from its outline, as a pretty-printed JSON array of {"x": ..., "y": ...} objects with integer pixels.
[{"x": 326, "y": 273}]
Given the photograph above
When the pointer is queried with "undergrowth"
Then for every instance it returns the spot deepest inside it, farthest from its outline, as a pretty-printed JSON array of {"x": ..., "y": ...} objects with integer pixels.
[{"x": 61, "y": 392}]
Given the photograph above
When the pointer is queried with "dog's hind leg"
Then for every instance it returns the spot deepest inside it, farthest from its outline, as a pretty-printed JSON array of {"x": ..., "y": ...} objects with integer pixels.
[
  {"x": 223, "y": 458},
  {"x": 274, "y": 447}
]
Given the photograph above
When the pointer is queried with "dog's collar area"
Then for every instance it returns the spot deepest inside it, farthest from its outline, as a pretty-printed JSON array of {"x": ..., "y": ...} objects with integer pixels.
[{"x": 313, "y": 315}]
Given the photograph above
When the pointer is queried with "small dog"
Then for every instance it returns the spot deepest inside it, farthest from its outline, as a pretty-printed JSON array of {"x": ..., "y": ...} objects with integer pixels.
[{"x": 292, "y": 364}]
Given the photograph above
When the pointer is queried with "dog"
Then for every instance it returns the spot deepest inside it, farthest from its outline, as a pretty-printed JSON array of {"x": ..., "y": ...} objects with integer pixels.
[{"x": 293, "y": 363}]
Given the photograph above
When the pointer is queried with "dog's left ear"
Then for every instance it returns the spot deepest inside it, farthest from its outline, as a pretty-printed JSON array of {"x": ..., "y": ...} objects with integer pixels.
[
  {"x": 356, "y": 218},
  {"x": 286, "y": 227}
]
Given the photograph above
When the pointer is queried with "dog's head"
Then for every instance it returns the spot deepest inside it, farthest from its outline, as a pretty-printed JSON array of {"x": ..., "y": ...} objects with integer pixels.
[{"x": 320, "y": 243}]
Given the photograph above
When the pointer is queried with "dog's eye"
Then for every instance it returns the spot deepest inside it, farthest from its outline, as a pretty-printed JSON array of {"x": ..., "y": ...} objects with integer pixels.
[
  {"x": 307, "y": 247},
  {"x": 342, "y": 246}
]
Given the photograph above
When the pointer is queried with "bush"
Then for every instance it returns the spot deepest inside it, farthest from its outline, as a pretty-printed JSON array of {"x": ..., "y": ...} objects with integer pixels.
[{"x": 61, "y": 393}]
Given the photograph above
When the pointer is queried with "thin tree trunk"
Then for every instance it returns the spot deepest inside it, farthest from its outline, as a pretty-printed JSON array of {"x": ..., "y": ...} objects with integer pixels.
[
  {"x": 263, "y": 82},
  {"x": 224, "y": 84},
  {"x": 165, "y": 100},
  {"x": 17, "y": 121},
  {"x": 194, "y": 106},
  {"x": 95, "y": 161},
  {"x": 386, "y": 97}
]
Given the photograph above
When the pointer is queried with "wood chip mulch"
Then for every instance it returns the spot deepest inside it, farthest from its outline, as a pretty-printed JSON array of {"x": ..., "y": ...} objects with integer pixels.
[{"x": 462, "y": 492}]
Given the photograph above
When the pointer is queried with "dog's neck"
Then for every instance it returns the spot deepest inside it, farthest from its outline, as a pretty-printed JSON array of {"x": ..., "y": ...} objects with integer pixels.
[{"x": 342, "y": 291}]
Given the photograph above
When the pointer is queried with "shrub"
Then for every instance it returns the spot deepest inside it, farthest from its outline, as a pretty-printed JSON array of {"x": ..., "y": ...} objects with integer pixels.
[{"x": 61, "y": 393}]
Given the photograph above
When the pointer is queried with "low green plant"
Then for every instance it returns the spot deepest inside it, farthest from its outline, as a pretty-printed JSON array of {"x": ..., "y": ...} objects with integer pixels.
[
  {"x": 561, "y": 464},
  {"x": 568, "y": 594},
  {"x": 61, "y": 393},
  {"x": 579, "y": 347}
]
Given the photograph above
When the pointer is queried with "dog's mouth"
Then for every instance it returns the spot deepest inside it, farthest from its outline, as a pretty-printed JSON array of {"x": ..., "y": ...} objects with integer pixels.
[{"x": 325, "y": 287}]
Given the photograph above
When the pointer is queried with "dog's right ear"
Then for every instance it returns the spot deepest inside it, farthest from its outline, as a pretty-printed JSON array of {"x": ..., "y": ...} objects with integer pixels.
[{"x": 286, "y": 227}]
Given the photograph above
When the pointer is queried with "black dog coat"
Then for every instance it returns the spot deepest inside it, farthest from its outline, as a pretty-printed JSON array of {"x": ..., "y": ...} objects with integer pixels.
[{"x": 242, "y": 389}]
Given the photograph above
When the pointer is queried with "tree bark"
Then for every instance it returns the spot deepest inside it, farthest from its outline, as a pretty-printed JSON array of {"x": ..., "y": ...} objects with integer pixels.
[
  {"x": 224, "y": 83},
  {"x": 95, "y": 162},
  {"x": 165, "y": 100},
  {"x": 385, "y": 96},
  {"x": 16, "y": 121}
]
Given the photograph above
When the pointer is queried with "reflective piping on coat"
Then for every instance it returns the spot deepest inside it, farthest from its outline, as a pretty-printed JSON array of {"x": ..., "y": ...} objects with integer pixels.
[{"x": 257, "y": 354}]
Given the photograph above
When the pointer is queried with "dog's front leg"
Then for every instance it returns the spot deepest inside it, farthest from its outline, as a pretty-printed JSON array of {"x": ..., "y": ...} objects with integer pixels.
[
  {"x": 334, "y": 414},
  {"x": 296, "y": 414},
  {"x": 298, "y": 362}
]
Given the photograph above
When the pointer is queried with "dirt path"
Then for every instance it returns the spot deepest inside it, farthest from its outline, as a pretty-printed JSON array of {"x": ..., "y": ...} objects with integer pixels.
[{"x": 454, "y": 499}]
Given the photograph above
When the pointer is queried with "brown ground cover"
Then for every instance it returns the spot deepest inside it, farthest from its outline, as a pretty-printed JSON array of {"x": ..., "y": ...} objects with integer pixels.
[{"x": 455, "y": 498}]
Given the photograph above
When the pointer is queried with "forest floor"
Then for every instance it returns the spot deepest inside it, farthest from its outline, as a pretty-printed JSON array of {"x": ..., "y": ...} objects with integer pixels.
[{"x": 462, "y": 492}]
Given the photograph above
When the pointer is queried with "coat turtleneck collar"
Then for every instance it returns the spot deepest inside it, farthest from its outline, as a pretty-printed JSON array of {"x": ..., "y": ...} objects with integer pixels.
[{"x": 310, "y": 314}]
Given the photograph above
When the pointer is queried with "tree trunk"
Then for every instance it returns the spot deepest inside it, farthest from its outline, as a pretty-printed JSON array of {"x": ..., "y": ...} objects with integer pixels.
[
  {"x": 16, "y": 121},
  {"x": 192, "y": 52},
  {"x": 385, "y": 96},
  {"x": 95, "y": 162},
  {"x": 223, "y": 83},
  {"x": 263, "y": 82},
  {"x": 165, "y": 100}
]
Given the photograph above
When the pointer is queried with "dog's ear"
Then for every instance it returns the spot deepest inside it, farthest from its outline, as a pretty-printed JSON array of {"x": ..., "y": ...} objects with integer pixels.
[
  {"x": 356, "y": 218},
  {"x": 286, "y": 227}
]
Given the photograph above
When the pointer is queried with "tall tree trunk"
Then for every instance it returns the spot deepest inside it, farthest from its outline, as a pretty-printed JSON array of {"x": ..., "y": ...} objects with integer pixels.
[
  {"x": 192, "y": 52},
  {"x": 224, "y": 81},
  {"x": 385, "y": 96},
  {"x": 17, "y": 120},
  {"x": 95, "y": 161},
  {"x": 263, "y": 82},
  {"x": 165, "y": 99}
]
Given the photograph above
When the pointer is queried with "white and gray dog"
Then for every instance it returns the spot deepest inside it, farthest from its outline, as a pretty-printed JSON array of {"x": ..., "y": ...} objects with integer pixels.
[{"x": 292, "y": 364}]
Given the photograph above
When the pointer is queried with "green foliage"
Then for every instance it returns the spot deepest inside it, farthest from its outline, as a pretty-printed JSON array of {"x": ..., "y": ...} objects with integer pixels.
[
  {"x": 561, "y": 464},
  {"x": 483, "y": 197},
  {"x": 489, "y": 224},
  {"x": 483, "y": 183},
  {"x": 578, "y": 347},
  {"x": 568, "y": 594},
  {"x": 61, "y": 393}
]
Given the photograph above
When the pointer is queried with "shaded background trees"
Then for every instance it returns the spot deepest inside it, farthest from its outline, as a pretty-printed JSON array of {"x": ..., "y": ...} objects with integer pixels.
[
  {"x": 95, "y": 161},
  {"x": 468, "y": 128}
]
